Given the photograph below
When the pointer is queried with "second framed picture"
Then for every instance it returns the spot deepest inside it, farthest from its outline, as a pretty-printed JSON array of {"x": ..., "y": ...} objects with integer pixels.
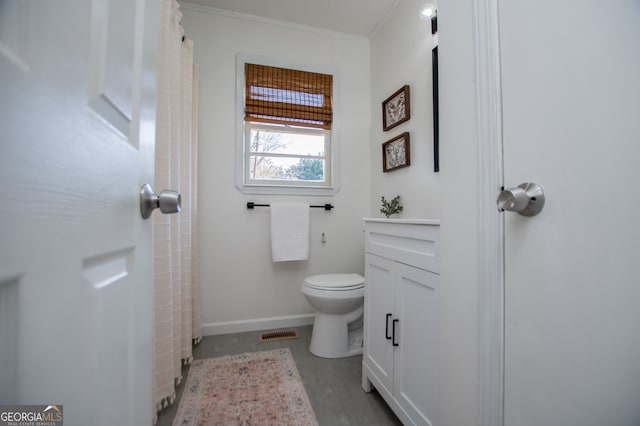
[
  {"x": 396, "y": 153},
  {"x": 396, "y": 109}
]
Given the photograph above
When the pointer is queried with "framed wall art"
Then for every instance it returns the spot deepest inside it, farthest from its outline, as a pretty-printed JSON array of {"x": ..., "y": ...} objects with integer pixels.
[
  {"x": 396, "y": 109},
  {"x": 396, "y": 153}
]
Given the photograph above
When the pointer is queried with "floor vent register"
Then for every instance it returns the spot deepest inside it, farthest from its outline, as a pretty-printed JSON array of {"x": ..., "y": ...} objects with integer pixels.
[{"x": 272, "y": 336}]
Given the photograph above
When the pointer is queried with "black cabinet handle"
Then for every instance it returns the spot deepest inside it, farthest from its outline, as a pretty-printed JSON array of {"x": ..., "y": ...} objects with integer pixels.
[
  {"x": 386, "y": 327},
  {"x": 393, "y": 332}
]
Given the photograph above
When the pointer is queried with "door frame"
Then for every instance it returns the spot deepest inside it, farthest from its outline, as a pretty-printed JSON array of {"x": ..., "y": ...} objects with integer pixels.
[{"x": 491, "y": 278}]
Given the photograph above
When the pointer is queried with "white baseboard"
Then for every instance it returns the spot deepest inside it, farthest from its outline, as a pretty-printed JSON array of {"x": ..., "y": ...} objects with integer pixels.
[{"x": 256, "y": 324}]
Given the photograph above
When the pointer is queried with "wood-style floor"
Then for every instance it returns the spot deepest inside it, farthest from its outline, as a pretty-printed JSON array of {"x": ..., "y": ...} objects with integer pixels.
[{"x": 333, "y": 385}]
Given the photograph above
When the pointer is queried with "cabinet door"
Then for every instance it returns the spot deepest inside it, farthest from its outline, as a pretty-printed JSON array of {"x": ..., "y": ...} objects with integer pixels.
[
  {"x": 379, "y": 313},
  {"x": 416, "y": 357}
]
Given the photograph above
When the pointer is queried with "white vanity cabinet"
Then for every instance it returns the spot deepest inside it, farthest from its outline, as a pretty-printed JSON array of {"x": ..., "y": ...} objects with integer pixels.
[{"x": 401, "y": 316}]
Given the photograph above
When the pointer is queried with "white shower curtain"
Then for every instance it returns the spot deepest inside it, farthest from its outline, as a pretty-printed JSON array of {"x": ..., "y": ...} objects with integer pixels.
[{"x": 175, "y": 245}]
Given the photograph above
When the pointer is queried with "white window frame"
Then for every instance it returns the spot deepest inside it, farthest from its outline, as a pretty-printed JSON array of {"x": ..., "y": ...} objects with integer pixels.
[
  {"x": 326, "y": 134},
  {"x": 280, "y": 187}
]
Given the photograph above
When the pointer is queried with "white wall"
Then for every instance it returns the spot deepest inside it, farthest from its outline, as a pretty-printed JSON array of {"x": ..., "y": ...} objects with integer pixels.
[
  {"x": 459, "y": 224},
  {"x": 240, "y": 284},
  {"x": 401, "y": 54}
]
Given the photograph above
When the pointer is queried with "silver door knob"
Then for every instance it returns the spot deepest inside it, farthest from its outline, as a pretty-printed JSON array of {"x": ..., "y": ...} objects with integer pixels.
[
  {"x": 168, "y": 201},
  {"x": 526, "y": 199}
]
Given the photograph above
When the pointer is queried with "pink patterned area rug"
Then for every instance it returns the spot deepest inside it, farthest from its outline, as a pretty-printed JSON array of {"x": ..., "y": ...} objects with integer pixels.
[{"x": 252, "y": 389}]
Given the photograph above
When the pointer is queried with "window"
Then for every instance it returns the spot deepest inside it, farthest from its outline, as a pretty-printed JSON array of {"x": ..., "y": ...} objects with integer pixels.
[
  {"x": 287, "y": 119},
  {"x": 286, "y": 155}
]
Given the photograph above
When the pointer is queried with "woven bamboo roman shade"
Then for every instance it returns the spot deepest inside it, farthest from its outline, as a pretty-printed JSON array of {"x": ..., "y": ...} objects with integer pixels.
[{"x": 286, "y": 96}]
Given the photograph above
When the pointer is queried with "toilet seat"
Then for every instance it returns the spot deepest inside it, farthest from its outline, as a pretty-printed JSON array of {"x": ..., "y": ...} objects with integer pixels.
[{"x": 335, "y": 282}]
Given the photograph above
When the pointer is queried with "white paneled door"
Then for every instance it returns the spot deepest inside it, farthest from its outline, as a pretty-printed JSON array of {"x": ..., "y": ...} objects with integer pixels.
[
  {"x": 77, "y": 123},
  {"x": 571, "y": 123}
]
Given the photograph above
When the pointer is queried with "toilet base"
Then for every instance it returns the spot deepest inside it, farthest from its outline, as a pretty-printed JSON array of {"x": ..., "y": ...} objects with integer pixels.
[{"x": 332, "y": 337}]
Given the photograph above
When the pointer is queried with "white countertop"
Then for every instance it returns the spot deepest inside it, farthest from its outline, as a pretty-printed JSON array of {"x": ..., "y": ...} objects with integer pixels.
[{"x": 434, "y": 222}]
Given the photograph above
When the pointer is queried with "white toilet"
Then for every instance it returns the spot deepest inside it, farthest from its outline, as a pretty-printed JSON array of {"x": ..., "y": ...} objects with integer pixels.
[{"x": 339, "y": 303}]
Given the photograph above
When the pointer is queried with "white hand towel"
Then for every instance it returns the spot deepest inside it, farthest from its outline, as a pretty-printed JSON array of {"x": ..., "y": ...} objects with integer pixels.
[{"x": 289, "y": 231}]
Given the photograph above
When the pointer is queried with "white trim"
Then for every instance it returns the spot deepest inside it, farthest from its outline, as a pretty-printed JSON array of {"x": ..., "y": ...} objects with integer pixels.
[
  {"x": 323, "y": 191},
  {"x": 384, "y": 19},
  {"x": 256, "y": 324},
  {"x": 490, "y": 220}
]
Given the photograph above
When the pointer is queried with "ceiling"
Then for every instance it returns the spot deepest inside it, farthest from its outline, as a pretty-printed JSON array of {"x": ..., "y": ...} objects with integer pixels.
[{"x": 359, "y": 17}]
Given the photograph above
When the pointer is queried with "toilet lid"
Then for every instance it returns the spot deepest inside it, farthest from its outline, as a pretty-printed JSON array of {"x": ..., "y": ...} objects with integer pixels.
[{"x": 335, "y": 281}]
